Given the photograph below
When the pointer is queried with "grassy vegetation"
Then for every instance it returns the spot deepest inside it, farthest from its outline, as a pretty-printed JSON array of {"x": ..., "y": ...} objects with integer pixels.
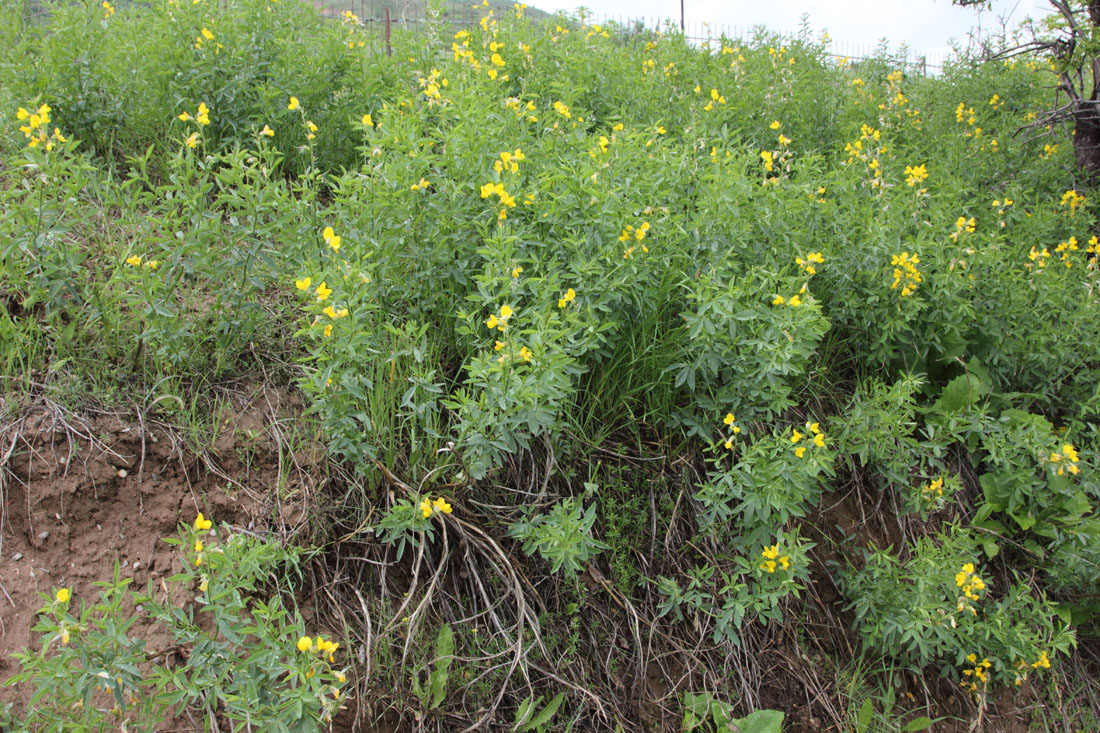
[{"x": 660, "y": 386}]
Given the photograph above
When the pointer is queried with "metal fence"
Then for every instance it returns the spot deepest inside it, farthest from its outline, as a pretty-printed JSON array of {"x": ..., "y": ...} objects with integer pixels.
[{"x": 384, "y": 17}]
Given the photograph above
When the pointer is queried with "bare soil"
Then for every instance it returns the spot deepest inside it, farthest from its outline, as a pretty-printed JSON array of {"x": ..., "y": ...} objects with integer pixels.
[{"x": 80, "y": 494}]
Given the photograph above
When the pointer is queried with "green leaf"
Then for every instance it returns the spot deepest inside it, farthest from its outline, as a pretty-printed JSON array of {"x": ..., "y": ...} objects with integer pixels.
[
  {"x": 863, "y": 720},
  {"x": 762, "y": 721},
  {"x": 547, "y": 713},
  {"x": 960, "y": 393},
  {"x": 437, "y": 680},
  {"x": 917, "y": 724}
]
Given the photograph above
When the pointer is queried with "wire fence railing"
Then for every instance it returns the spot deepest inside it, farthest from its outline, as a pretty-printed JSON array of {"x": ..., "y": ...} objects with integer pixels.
[{"x": 382, "y": 18}]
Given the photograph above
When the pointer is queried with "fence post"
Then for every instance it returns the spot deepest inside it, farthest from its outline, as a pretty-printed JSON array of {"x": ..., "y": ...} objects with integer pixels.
[{"x": 386, "y": 31}]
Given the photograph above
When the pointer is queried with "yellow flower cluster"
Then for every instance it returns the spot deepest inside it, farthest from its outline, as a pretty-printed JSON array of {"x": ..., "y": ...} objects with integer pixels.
[
  {"x": 432, "y": 86},
  {"x": 429, "y": 507},
  {"x": 736, "y": 52},
  {"x": 963, "y": 113},
  {"x": 108, "y": 9},
  {"x": 1072, "y": 199},
  {"x": 1066, "y": 460},
  {"x": 497, "y": 189},
  {"x": 637, "y": 235},
  {"x": 321, "y": 646},
  {"x": 509, "y": 161},
  {"x": 906, "y": 273},
  {"x": 500, "y": 321},
  {"x": 807, "y": 264},
  {"x": 868, "y": 148},
  {"x": 915, "y": 174},
  {"x": 200, "y": 118},
  {"x": 563, "y": 110},
  {"x": 36, "y": 128},
  {"x": 518, "y": 106},
  {"x": 137, "y": 261},
  {"x": 715, "y": 99},
  {"x": 975, "y": 674},
  {"x": 817, "y": 440},
  {"x": 331, "y": 239},
  {"x": 204, "y": 37},
  {"x": 962, "y": 224},
  {"x": 971, "y": 584},
  {"x": 731, "y": 423},
  {"x": 933, "y": 490},
  {"x": 568, "y": 297},
  {"x": 1048, "y": 150},
  {"x": 772, "y": 558},
  {"x": 794, "y": 301}
]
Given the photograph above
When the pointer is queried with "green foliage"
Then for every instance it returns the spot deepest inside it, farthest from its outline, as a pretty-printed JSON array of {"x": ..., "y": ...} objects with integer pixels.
[
  {"x": 485, "y": 271},
  {"x": 243, "y": 654},
  {"x": 432, "y": 694},
  {"x": 562, "y": 536},
  {"x": 935, "y": 608}
]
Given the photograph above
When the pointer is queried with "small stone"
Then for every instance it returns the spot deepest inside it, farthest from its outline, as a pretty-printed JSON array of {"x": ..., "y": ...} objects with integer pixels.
[
  {"x": 17, "y": 557},
  {"x": 122, "y": 473},
  {"x": 137, "y": 564},
  {"x": 44, "y": 534}
]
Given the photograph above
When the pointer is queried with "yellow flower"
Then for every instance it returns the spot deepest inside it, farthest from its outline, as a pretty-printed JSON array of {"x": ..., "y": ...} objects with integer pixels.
[
  {"x": 22, "y": 114},
  {"x": 367, "y": 120},
  {"x": 796, "y": 436},
  {"x": 267, "y": 131},
  {"x": 207, "y": 34},
  {"x": 134, "y": 260},
  {"x": 305, "y": 644},
  {"x": 323, "y": 291},
  {"x": 505, "y": 312},
  {"x": 819, "y": 440},
  {"x": 729, "y": 419},
  {"x": 328, "y": 330},
  {"x": 62, "y": 595},
  {"x": 204, "y": 584},
  {"x": 795, "y": 301},
  {"x": 491, "y": 322},
  {"x": 198, "y": 545},
  {"x": 525, "y": 353},
  {"x": 516, "y": 271},
  {"x": 293, "y": 104},
  {"x": 303, "y": 284},
  {"x": 426, "y": 507},
  {"x": 202, "y": 523},
  {"x": 441, "y": 505},
  {"x": 498, "y": 346},
  {"x": 800, "y": 451},
  {"x": 192, "y": 140},
  {"x": 775, "y": 125}
]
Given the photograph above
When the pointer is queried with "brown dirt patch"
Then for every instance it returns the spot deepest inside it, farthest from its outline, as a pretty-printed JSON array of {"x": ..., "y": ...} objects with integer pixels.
[{"x": 78, "y": 495}]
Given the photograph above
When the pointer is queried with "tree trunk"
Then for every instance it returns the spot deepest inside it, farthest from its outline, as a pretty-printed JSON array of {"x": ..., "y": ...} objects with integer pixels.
[{"x": 1086, "y": 138}]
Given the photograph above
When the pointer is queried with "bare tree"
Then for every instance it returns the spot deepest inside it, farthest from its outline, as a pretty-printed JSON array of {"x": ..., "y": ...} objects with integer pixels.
[{"x": 1074, "y": 46}]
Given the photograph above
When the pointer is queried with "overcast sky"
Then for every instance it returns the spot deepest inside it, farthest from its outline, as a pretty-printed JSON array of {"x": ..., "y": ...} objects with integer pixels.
[{"x": 926, "y": 25}]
